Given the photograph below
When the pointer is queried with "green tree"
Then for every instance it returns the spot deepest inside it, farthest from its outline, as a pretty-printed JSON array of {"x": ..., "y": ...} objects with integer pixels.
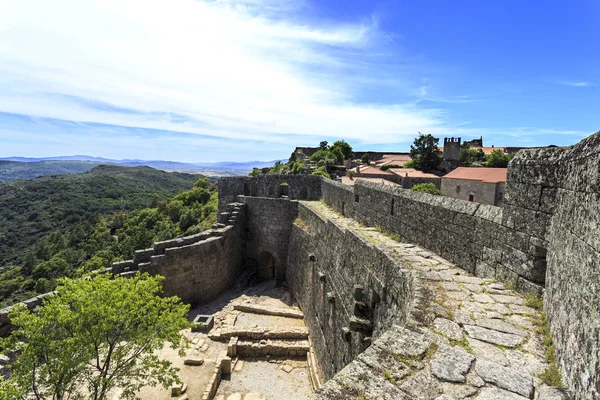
[
  {"x": 425, "y": 153},
  {"x": 323, "y": 145},
  {"x": 298, "y": 167},
  {"x": 498, "y": 159},
  {"x": 321, "y": 172},
  {"x": 365, "y": 158},
  {"x": 345, "y": 149},
  {"x": 468, "y": 155},
  {"x": 255, "y": 172},
  {"x": 426, "y": 188},
  {"x": 95, "y": 335}
]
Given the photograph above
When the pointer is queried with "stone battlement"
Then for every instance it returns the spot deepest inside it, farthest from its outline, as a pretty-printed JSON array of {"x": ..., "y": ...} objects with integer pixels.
[{"x": 386, "y": 318}]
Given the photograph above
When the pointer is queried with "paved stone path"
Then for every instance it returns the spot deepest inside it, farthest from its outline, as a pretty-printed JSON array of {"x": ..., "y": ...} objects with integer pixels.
[{"x": 468, "y": 337}]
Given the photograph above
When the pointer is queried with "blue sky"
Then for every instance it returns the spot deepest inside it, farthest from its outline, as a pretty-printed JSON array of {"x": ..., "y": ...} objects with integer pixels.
[{"x": 197, "y": 81}]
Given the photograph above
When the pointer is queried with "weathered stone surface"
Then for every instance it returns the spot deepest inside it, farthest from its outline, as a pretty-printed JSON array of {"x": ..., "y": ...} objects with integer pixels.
[
  {"x": 491, "y": 336},
  {"x": 193, "y": 361},
  {"x": 483, "y": 298},
  {"x": 486, "y": 351},
  {"x": 448, "y": 328},
  {"x": 526, "y": 362},
  {"x": 492, "y": 393},
  {"x": 500, "y": 326},
  {"x": 445, "y": 397},
  {"x": 500, "y": 298},
  {"x": 451, "y": 364},
  {"x": 505, "y": 378},
  {"x": 422, "y": 386},
  {"x": 552, "y": 393},
  {"x": 475, "y": 380},
  {"x": 458, "y": 391}
]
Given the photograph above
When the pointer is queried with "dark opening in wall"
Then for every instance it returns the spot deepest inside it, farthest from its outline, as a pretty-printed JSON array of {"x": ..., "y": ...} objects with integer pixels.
[
  {"x": 471, "y": 197},
  {"x": 356, "y": 198},
  {"x": 266, "y": 266},
  {"x": 343, "y": 208},
  {"x": 246, "y": 189},
  {"x": 284, "y": 189},
  {"x": 392, "y": 208}
]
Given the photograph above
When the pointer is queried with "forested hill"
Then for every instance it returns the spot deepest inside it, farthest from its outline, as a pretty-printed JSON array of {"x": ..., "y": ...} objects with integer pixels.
[
  {"x": 13, "y": 170},
  {"x": 53, "y": 225}
]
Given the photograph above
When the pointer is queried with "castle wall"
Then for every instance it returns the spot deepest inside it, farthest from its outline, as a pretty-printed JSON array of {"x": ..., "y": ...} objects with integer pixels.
[
  {"x": 299, "y": 187},
  {"x": 332, "y": 272},
  {"x": 269, "y": 223},
  {"x": 572, "y": 178},
  {"x": 197, "y": 268},
  {"x": 469, "y": 234}
]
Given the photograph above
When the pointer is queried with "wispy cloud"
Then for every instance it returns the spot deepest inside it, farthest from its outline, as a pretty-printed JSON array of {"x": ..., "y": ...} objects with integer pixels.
[
  {"x": 232, "y": 73},
  {"x": 576, "y": 83},
  {"x": 235, "y": 69}
]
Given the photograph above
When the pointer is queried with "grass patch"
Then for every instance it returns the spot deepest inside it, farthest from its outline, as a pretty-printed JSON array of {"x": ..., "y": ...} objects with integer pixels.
[
  {"x": 408, "y": 360},
  {"x": 388, "y": 376},
  {"x": 464, "y": 343},
  {"x": 551, "y": 376},
  {"x": 534, "y": 301}
]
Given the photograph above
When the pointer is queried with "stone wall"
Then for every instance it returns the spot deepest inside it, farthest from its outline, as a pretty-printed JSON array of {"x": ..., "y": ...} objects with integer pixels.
[
  {"x": 350, "y": 290},
  {"x": 197, "y": 268},
  {"x": 269, "y": 222},
  {"x": 469, "y": 234},
  {"x": 567, "y": 182},
  {"x": 296, "y": 187},
  {"x": 483, "y": 192}
]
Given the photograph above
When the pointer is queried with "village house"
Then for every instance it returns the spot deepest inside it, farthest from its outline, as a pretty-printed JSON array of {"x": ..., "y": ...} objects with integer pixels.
[
  {"x": 408, "y": 177},
  {"x": 483, "y": 185}
]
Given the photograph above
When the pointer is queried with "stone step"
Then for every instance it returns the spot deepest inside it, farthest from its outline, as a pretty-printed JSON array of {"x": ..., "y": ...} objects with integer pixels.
[
  {"x": 274, "y": 348},
  {"x": 266, "y": 310},
  {"x": 259, "y": 333}
]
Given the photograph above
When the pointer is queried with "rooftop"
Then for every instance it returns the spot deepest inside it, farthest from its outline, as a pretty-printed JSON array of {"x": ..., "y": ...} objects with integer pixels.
[
  {"x": 368, "y": 170},
  {"x": 346, "y": 180},
  {"x": 411, "y": 173},
  {"x": 492, "y": 175}
]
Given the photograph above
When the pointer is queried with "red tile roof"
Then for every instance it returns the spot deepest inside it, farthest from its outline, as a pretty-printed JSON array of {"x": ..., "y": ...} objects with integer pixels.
[
  {"x": 346, "y": 180},
  {"x": 399, "y": 159},
  {"x": 367, "y": 170},
  {"x": 411, "y": 173},
  {"x": 492, "y": 175}
]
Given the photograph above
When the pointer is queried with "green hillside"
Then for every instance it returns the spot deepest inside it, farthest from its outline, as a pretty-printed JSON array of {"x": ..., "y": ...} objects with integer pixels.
[
  {"x": 13, "y": 170},
  {"x": 52, "y": 226}
]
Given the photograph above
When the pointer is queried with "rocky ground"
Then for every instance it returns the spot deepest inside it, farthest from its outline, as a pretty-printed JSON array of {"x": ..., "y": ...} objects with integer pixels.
[
  {"x": 468, "y": 338},
  {"x": 262, "y": 378}
]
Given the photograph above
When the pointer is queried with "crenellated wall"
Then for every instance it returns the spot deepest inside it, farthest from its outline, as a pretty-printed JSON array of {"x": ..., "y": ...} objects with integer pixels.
[
  {"x": 351, "y": 291},
  {"x": 295, "y": 187},
  {"x": 199, "y": 267}
]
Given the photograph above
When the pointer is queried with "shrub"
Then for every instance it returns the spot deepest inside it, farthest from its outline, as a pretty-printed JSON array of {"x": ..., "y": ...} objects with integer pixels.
[{"x": 427, "y": 188}]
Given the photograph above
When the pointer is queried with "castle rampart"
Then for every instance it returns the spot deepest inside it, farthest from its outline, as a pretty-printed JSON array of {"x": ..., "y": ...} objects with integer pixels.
[{"x": 355, "y": 291}]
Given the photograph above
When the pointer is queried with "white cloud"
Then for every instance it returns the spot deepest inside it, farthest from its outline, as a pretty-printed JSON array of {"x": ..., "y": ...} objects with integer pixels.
[
  {"x": 576, "y": 83},
  {"x": 235, "y": 69}
]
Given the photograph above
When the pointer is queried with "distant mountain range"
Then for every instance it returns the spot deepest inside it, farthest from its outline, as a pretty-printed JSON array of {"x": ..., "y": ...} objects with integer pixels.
[{"x": 12, "y": 168}]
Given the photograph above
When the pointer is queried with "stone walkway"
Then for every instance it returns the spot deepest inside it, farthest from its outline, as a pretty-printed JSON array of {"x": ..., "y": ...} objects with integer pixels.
[{"x": 467, "y": 338}]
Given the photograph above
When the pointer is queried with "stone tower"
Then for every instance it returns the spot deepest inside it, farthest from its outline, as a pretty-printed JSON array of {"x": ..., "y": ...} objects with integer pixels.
[{"x": 452, "y": 149}]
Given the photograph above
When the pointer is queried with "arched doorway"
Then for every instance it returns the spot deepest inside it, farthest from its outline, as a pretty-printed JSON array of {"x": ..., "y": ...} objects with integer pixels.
[{"x": 266, "y": 266}]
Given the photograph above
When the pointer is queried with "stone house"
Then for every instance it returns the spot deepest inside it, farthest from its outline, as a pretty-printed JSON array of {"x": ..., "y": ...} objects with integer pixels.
[
  {"x": 408, "y": 177},
  {"x": 482, "y": 185}
]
